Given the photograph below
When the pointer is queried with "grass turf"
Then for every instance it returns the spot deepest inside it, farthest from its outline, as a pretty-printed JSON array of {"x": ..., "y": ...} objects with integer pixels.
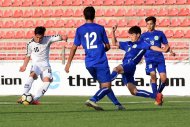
[{"x": 68, "y": 111}]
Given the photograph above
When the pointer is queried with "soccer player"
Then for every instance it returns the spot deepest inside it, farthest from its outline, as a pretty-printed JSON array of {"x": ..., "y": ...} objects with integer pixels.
[
  {"x": 94, "y": 40},
  {"x": 38, "y": 50},
  {"x": 155, "y": 60},
  {"x": 135, "y": 50}
]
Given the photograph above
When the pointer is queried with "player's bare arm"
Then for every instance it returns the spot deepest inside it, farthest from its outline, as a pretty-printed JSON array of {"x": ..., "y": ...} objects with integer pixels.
[
  {"x": 107, "y": 47},
  {"x": 71, "y": 55},
  {"x": 114, "y": 39},
  {"x": 26, "y": 61},
  {"x": 155, "y": 48}
]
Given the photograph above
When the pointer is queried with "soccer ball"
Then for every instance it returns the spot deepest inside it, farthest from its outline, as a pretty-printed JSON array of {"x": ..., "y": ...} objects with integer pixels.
[{"x": 27, "y": 98}]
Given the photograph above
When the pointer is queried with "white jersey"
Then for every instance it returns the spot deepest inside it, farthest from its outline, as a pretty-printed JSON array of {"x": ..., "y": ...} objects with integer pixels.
[{"x": 39, "y": 52}]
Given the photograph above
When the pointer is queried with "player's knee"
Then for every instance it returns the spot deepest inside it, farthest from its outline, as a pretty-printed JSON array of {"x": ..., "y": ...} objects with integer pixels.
[
  {"x": 153, "y": 78},
  {"x": 163, "y": 80},
  {"x": 133, "y": 92},
  {"x": 34, "y": 76}
]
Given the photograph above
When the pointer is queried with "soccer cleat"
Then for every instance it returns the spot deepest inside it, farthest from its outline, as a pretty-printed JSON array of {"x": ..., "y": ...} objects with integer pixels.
[
  {"x": 19, "y": 101},
  {"x": 92, "y": 104},
  {"x": 159, "y": 99},
  {"x": 35, "y": 102},
  {"x": 120, "y": 107}
]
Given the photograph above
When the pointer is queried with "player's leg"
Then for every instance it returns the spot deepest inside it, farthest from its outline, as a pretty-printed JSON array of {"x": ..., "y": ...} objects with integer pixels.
[
  {"x": 117, "y": 70},
  {"x": 29, "y": 82},
  {"x": 151, "y": 70},
  {"x": 163, "y": 77}
]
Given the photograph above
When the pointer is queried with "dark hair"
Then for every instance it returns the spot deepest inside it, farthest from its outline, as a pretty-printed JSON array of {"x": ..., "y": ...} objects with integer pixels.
[
  {"x": 89, "y": 13},
  {"x": 39, "y": 30},
  {"x": 135, "y": 30},
  {"x": 151, "y": 18}
]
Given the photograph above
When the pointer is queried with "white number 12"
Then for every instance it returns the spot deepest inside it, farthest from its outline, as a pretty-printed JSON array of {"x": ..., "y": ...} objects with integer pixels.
[{"x": 90, "y": 45}]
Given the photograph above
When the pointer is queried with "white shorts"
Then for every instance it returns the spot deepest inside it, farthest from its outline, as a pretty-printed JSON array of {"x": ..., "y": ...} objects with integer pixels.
[{"x": 42, "y": 71}]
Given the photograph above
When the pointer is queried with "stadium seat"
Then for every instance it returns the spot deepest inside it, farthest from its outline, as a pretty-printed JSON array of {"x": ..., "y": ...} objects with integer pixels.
[
  {"x": 162, "y": 12},
  {"x": 169, "y": 33},
  {"x": 67, "y": 3},
  {"x": 164, "y": 23},
  {"x": 27, "y": 3},
  {"x": 78, "y": 13},
  {"x": 70, "y": 23},
  {"x": 152, "y": 12},
  {"x": 47, "y": 3},
  {"x": 139, "y": 2},
  {"x": 18, "y": 14},
  {"x": 160, "y": 2},
  {"x": 51, "y": 32},
  {"x": 124, "y": 34},
  {"x": 175, "y": 22},
  {"x": 28, "y": 14},
  {"x": 184, "y": 12},
  {"x": 39, "y": 23},
  {"x": 88, "y": 2},
  {"x": 71, "y": 34},
  {"x": 7, "y": 3},
  {"x": 1, "y": 13},
  {"x": 120, "y": 12},
  {"x": 142, "y": 23},
  {"x": 141, "y": 12},
  {"x": 57, "y": 2},
  {"x": 108, "y": 2},
  {"x": 37, "y": 3},
  {"x": 179, "y": 34},
  {"x": 62, "y": 32},
  {"x": 58, "y": 13},
  {"x": 20, "y": 34},
  {"x": 1, "y": 24},
  {"x": 132, "y": 22},
  {"x": 38, "y": 13},
  {"x": 170, "y": 2},
  {"x": 10, "y": 34},
  {"x": 100, "y": 12},
  {"x": 131, "y": 12},
  {"x": 119, "y": 2},
  {"x": 29, "y": 34},
  {"x": 2, "y": 34},
  {"x": 8, "y": 13},
  {"x": 29, "y": 24},
  {"x": 98, "y": 2},
  {"x": 49, "y": 23},
  {"x": 122, "y": 23},
  {"x": 19, "y": 24},
  {"x": 77, "y": 3},
  {"x": 48, "y": 13},
  {"x": 17, "y": 3},
  {"x": 149, "y": 2},
  {"x": 111, "y": 23},
  {"x": 79, "y": 23},
  {"x": 185, "y": 22},
  {"x": 8, "y": 24},
  {"x": 187, "y": 34},
  {"x": 110, "y": 12},
  {"x": 60, "y": 23},
  {"x": 102, "y": 22},
  {"x": 129, "y": 2},
  {"x": 69, "y": 13},
  {"x": 173, "y": 12},
  {"x": 181, "y": 2}
]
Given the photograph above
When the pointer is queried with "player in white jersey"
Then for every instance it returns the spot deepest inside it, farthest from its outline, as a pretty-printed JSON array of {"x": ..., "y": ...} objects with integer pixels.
[{"x": 38, "y": 50}]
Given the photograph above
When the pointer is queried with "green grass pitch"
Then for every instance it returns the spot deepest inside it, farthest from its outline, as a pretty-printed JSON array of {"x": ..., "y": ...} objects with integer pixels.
[{"x": 69, "y": 111}]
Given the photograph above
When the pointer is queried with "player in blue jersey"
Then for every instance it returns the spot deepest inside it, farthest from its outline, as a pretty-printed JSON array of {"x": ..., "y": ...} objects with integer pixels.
[
  {"x": 94, "y": 40},
  {"x": 155, "y": 60},
  {"x": 135, "y": 49}
]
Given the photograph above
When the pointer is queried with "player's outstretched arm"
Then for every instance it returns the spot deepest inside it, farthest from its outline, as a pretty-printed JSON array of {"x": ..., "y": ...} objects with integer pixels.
[
  {"x": 71, "y": 55},
  {"x": 114, "y": 39},
  {"x": 155, "y": 48},
  {"x": 26, "y": 61}
]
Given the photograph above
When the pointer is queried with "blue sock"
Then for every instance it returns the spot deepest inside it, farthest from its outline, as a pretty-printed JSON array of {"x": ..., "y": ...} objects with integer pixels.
[
  {"x": 161, "y": 87},
  {"x": 143, "y": 93},
  {"x": 100, "y": 94},
  {"x": 112, "y": 97},
  {"x": 114, "y": 75},
  {"x": 154, "y": 88}
]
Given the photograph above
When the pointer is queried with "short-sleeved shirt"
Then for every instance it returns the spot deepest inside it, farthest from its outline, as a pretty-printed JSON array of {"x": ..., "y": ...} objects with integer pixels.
[
  {"x": 92, "y": 37},
  {"x": 154, "y": 38}
]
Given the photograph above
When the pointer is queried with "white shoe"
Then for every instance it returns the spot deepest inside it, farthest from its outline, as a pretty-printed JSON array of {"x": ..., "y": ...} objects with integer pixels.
[{"x": 92, "y": 104}]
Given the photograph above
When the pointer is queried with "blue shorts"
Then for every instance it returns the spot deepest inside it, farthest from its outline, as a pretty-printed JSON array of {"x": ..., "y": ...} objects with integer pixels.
[
  {"x": 129, "y": 71},
  {"x": 152, "y": 66},
  {"x": 102, "y": 74}
]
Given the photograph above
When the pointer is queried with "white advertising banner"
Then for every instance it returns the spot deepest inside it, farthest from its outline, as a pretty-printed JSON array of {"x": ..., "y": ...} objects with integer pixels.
[{"x": 79, "y": 82}]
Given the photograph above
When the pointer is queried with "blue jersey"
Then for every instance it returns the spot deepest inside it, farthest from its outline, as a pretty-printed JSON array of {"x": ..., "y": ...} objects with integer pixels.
[
  {"x": 155, "y": 38},
  {"x": 92, "y": 37},
  {"x": 134, "y": 51}
]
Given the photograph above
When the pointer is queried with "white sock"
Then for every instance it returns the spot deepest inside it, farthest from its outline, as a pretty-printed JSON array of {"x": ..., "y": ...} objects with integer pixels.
[
  {"x": 42, "y": 91},
  {"x": 28, "y": 85}
]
